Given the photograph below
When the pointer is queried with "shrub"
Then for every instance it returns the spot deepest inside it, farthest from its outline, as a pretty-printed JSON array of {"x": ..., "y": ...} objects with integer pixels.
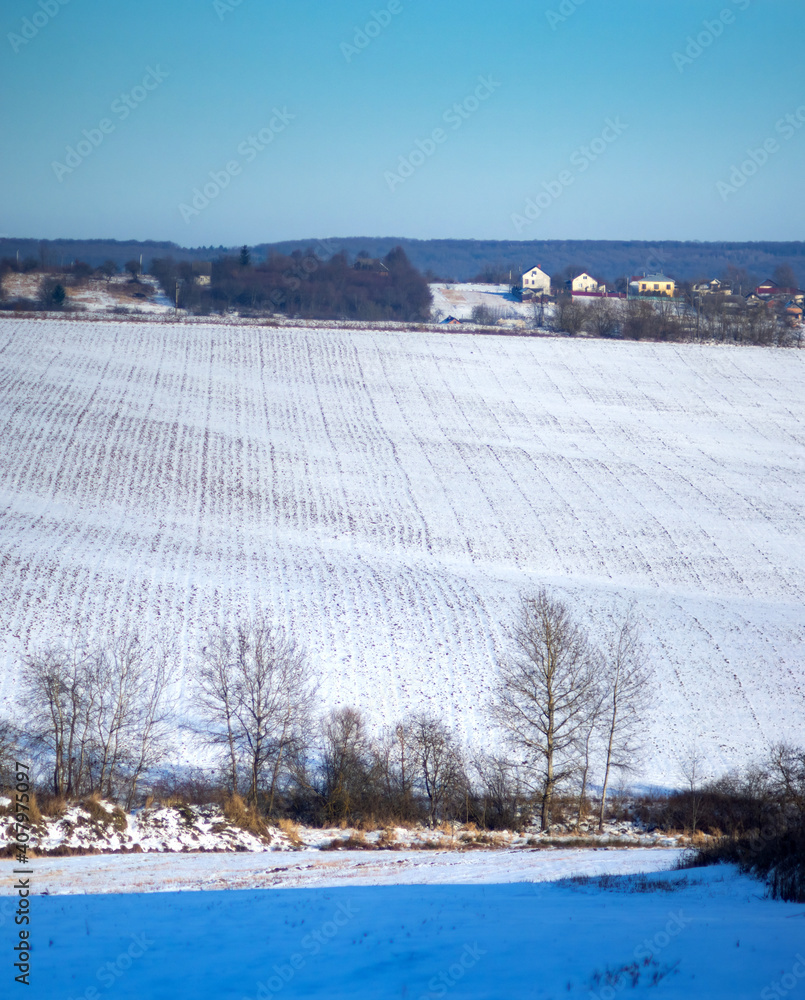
[{"x": 778, "y": 859}]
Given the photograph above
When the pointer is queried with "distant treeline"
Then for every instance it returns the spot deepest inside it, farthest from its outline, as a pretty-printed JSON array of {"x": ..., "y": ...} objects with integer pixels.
[
  {"x": 307, "y": 285},
  {"x": 463, "y": 260}
]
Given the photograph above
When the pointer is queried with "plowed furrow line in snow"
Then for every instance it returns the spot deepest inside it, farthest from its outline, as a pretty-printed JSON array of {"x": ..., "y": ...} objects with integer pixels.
[
  {"x": 672, "y": 502},
  {"x": 731, "y": 688},
  {"x": 462, "y": 480},
  {"x": 439, "y": 498},
  {"x": 402, "y": 485},
  {"x": 390, "y": 518},
  {"x": 601, "y": 564}
]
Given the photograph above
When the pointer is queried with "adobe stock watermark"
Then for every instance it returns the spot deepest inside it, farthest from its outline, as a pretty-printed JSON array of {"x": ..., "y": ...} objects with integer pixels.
[
  {"x": 580, "y": 161},
  {"x": 377, "y": 23},
  {"x": 224, "y": 7},
  {"x": 31, "y": 26},
  {"x": 248, "y": 151},
  {"x": 712, "y": 29},
  {"x": 121, "y": 108},
  {"x": 454, "y": 116},
  {"x": 310, "y": 945},
  {"x": 787, "y": 127},
  {"x": 787, "y": 983},
  {"x": 566, "y": 9},
  {"x": 441, "y": 984},
  {"x": 22, "y": 887},
  {"x": 109, "y": 973}
]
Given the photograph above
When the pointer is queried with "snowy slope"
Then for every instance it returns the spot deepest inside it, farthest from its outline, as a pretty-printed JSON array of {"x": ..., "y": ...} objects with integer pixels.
[
  {"x": 387, "y": 495},
  {"x": 460, "y": 299}
]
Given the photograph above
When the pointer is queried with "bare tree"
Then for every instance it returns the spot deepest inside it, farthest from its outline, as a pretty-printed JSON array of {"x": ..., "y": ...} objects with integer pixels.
[
  {"x": 604, "y": 317},
  {"x": 502, "y": 794},
  {"x": 151, "y": 720},
  {"x": 10, "y": 752},
  {"x": 99, "y": 713},
  {"x": 395, "y": 766},
  {"x": 587, "y": 744},
  {"x": 60, "y": 697},
  {"x": 626, "y": 695},
  {"x": 255, "y": 693},
  {"x": 117, "y": 672},
  {"x": 216, "y": 699},
  {"x": 108, "y": 269},
  {"x": 439, "y": 762},
  {"x": 569, "y": 316},
  {"x": 345, "y": 763},
  {"x": 133, "y": 267},
  {"x": 538, "y": 311},
  {"x": 546, "y": 693},
  {"x": 691, "y": 768},
  {"x": 786, "y": 773}
]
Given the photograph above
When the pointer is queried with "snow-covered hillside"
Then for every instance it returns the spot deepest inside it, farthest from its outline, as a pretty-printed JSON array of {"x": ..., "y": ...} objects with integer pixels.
[
  {"x": 388, "y": 495},
  {"x": 460, "y": 299}
]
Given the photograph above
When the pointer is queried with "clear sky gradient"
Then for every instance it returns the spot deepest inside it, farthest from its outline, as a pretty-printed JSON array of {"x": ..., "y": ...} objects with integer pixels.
[{"x": 533, "y": 139}]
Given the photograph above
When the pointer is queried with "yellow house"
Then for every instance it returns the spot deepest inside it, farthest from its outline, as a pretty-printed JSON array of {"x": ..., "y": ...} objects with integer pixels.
[{"x": 655, "y": 284}]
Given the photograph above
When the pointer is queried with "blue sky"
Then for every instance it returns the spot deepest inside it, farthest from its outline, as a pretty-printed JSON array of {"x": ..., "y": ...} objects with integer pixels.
[{"x": 579, "y": 120}]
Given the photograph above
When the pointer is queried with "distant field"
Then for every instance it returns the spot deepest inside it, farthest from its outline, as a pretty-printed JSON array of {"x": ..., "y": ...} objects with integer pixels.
[{"x": 387, "y": 495}]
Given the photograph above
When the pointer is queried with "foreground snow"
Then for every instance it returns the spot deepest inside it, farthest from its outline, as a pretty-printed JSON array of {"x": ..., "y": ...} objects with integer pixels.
[
  {"x": 387, "y": 496},
  {"x": 708, "y": 934}
]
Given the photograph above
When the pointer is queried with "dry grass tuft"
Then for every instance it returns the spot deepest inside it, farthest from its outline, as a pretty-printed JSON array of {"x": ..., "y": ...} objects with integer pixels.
[
  {"x": 34, "y": 814},
  {"x": 173, "y": 802},
  {"x": 241, "y": 816},
  {"x": 354, "y": 842},
  {"x": 291, "y": 831},
  {"x": 97, "y": 810},
  {"x": 387, "y": 840}
]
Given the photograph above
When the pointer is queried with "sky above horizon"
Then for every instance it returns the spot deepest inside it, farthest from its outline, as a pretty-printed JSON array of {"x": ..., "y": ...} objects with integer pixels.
[{"x": 211, "y": 122}]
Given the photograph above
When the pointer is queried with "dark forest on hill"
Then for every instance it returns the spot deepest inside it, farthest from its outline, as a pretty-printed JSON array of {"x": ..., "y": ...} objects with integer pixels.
[
  {"x": 461, "y": 260},
  {"x": 303, "y": 285}
]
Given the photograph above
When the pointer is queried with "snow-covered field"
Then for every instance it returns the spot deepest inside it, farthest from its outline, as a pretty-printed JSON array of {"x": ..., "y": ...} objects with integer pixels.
[
  {"x": 460, "y": 299},
  {"x": 387, "y": 495},
  {"x": 97, "y": 295},
  {"x": 315, "y": 869},
  {"x": 708, "y": 934}
]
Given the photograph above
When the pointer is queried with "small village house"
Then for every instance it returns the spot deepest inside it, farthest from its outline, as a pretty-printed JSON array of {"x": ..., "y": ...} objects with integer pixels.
[
  {"x": 655, "y": 285},
  {"x": 536, "y": 281},
  {"x": 584, "y": 283}
]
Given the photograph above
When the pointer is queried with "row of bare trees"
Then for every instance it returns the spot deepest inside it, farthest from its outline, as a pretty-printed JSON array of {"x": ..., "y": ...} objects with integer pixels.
[
  {"x": 724, "y": 319},
  {"x": 567, "y": 715},
  {"x": 255, "y": 704},
  {"x": 99, "y": 716}
]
